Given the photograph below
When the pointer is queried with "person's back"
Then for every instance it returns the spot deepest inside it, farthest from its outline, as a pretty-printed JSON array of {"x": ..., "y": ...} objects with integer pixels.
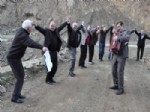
[
  {"x": 20, "y": 43},
  {"x": 103, "y": 36}
]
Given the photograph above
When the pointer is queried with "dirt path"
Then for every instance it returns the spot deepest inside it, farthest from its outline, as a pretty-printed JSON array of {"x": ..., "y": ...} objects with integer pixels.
[{"x": 88, "y": 92}]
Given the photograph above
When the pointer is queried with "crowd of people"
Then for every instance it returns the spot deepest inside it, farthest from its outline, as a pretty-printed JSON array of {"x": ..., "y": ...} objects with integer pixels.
[{"x": 78, "y": 35}]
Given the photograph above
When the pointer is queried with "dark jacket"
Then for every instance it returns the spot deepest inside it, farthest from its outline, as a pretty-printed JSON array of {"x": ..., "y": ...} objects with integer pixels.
[
  {"x": 141, "y": 42},
  {"x": 103, "y": 35},
  {"x": 94, "y": 37},
  {"x": 20, "y": 43},
  {"x": 74, "y": 37},
  {"x": 111, "y": 33},
  {"x": 52, "y": 38}
]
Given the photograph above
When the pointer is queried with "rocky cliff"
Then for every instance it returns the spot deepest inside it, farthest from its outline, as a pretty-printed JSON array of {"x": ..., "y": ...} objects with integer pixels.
[{"x": 95, "y": 12}]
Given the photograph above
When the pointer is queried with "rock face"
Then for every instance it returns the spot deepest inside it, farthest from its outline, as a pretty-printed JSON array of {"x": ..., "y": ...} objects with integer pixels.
[
  {"x": 136, "y": 10},
  {"x": 2, "y": 90},
  {"x": 94, "y": 12}
]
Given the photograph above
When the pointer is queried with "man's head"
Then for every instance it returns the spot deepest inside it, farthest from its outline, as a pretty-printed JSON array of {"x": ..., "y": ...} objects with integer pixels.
[
  {"x": 142, "y": 31},
  {"x": 104, "y": 28},
  {"x": 74, "y": 26},
  {"x": 88, "y": 28},
  {"x": 119, "y": 25},
  {"x": 27, "y": 25},
  {"x": 52, "y": 26}
]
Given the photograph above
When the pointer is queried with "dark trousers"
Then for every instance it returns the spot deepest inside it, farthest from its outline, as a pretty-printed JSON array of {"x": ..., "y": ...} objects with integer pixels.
[
  {"x": 118, "y": 66},
  {"x": 91, "y": 52},
  {"x": 18, "y": 71},
  {"x": 51, "y": 74},
  {"x": 140, "y": 49},
  {"x": 83, "y": 54},
  {"x": 101, "y": 50}
]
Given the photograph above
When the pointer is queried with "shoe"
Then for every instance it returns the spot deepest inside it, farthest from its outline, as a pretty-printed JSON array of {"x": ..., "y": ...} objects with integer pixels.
[
  {"x": 17, "y": 100},
  {"x": 84, "y": 66},
  {"x": 22, "y": 97},
  {"x": 101, "y": 60},
  {"x": 114, "y": 87},
  {"x": 81, "y": 67},
  {"x": 137, "y": 59},
  {"x": 53, "y": 81},
  {"x": 72, "y": 74},
  {"x": 49, "y": 82},
  {"x": 120, "y": 92},
  {"x": 91, "y": 63}
]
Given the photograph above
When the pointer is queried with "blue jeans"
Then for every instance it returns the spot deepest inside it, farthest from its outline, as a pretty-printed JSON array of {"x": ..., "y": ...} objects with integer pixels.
[
  {"x": 73, "y": 58},
  {"x": 110, "y": 55},
  {"x": 101, "y": 50}
]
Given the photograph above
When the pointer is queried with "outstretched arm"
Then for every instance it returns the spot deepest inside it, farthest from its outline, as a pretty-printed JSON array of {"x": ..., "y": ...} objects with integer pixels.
[
  {"x": 61, "y": 27},
  {"x": 110, "y": 28},
  {"x": 132, "y": 31},
  {"x": 40, "y": 29},
  {"x": 147, "y": 37},
  {"x": 27, "y": 41},
  {"x": 80, "y": 27},
  {"x": 138, "y": 34},
  {"x": 69, "y": 28}
]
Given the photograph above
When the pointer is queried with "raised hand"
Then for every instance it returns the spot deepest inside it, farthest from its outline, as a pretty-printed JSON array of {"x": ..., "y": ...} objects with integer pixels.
[
  {"x": 82, "y": 23},
  {"x": 34, "y": 23},
  {"x": 69, "y": 19}
]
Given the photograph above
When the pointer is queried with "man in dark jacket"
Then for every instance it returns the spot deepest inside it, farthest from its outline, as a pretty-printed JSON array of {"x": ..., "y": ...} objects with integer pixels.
[
  {"x": 94, "y": 37},
  {"x": 141, "y": 43},
  {"x": 110, "y": 54},
  {"x": 16, "y": 52},
  {"x": 102, "y": 39},
  {"x": 74, "y": 39},
  {"x": 53, "y": 43},
  {"x": 119, "y": 59}
]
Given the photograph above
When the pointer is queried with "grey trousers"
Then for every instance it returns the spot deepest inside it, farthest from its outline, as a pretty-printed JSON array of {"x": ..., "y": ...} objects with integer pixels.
[
  {"x": 73, "y": 53},
  {"x": 118, "y": 66}
]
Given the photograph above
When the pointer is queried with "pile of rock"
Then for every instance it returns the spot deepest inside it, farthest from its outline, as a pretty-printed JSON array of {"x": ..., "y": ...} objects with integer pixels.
[
  {"x": 147, "y": 61},
  {"x": 2, "y": 90}
]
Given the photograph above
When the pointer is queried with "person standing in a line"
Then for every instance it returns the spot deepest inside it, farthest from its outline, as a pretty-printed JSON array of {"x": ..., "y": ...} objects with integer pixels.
[
  {"x": 53, "y": 43},
  {"x": 112, "y": 31},
  {"x": 83, "y": 47},
  {"x": 74, "y": 39},
  {"x": 141, "y": 43},
  {"x": 102, "y": 39},
  {"x": 94, "y": 37},
  {"x": 16, "y": 52}
]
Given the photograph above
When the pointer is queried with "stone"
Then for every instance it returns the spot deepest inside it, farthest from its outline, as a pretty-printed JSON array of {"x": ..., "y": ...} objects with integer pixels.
[{"x": 2, "y": 90}]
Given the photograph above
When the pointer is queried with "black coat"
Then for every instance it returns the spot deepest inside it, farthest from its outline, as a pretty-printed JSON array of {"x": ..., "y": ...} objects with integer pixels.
[
  {"x": 20, "y": 43},
  {"x": 74, "y": 37},
  {"x": 50, "y": 36},
  {"x": 94, "y": 37},
  {"x": 141, "y": 42},
  {"x": 103, "y": 35}
]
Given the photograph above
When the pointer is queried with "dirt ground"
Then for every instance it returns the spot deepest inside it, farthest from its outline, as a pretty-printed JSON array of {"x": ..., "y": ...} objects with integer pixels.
[{"x": 88, "y": 91}]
